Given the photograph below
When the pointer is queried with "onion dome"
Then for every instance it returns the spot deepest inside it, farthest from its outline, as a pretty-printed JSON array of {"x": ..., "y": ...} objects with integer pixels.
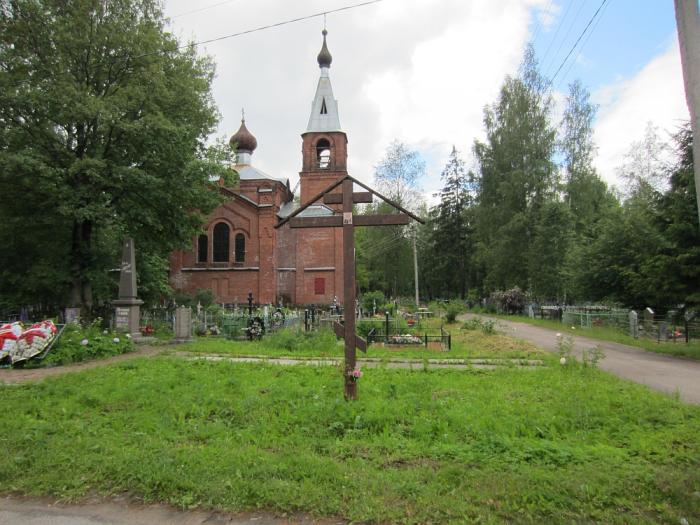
[
  {"x": 244, "y": 139},
  {"x": 324, "y": 57}
]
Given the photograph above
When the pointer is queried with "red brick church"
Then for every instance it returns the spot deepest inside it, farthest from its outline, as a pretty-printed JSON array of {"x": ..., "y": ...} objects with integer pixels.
[{"x": 240, "y": 251}]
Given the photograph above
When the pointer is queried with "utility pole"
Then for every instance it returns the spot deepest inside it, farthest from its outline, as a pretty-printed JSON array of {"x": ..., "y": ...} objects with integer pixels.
[
  {"x": 688, "y": 24},
  {"x": 415, "y": 267}
]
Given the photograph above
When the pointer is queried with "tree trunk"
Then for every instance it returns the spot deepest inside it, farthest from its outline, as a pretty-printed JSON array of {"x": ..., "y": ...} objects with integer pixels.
[{"x": 81, "y": 291}]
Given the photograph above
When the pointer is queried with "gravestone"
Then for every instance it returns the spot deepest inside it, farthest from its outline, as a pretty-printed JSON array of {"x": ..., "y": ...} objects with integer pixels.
[
  {"x": 634, "y": 324},
  {"x": 127, "y": 313},
  {"x": 72, "y": 315},
  {"x": 648, "y": 321},
  {"x": 183, "y": 324}
]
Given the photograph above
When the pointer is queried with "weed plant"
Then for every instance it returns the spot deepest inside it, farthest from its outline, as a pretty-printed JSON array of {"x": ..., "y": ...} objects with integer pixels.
[
  {"x": 85, "y": 343},
  {"x": 552, "y": 445}
]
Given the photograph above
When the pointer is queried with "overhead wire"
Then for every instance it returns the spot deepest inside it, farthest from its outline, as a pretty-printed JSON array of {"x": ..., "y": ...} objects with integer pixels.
[
  {"x": 579, "y": 39},
  {"x": 233, "y": 35},
  {"x": 556, "y": 33},
  {"x": 191, "y": 12},
  {"x": 539, "y": 22},
  {"x": 270, "y": 26},
  {"x": 563, "y": 40},
  {"x": 583, "y": 44}
]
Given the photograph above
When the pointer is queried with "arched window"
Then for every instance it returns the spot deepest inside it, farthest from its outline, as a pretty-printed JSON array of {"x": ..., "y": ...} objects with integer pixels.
[
  {"x": 202, "y": 248},
  {"x": 240, "y": 248},
  {"x": 323, "y": 154},
  {"x": 221, "y": 235}
]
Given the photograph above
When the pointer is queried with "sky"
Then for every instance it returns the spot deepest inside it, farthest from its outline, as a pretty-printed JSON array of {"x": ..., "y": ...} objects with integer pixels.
[{"x": 421, "y": 71}]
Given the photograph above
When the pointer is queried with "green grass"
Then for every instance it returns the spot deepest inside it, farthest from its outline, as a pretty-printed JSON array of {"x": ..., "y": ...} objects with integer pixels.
[
  {"x": 679, "y": 348},
  {"x": 291, "y": 343},
  {"x": 548, "y": 445}
]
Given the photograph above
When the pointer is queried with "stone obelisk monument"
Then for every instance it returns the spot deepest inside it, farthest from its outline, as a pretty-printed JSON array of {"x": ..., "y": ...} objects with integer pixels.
[{"x": 127, "y": 313}]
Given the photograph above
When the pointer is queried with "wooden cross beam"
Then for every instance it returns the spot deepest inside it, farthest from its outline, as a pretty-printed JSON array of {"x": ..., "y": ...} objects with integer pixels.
[{"x": 348, "y": 222}]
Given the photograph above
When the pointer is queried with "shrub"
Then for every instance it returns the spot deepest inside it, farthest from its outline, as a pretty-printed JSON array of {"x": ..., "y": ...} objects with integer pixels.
[
  {"x": 81, "y": 344},
  {"x": 510, "y": 301},
  {"x": 369, "y": 299},
  {"x": 452, "y": 309}
]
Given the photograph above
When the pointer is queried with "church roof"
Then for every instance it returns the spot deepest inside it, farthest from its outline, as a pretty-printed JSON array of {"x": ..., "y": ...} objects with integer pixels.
[
  {"x": 324, "y": 108},
  {"x": 248, "y": 172},
  {"x": 324, "y": 57},
  {"x": 244, "y": 139},
  {"x": 315, "y": 210}
]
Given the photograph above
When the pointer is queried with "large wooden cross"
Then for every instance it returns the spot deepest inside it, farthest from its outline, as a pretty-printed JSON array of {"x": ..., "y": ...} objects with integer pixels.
[{"x": 348, "y": 221}]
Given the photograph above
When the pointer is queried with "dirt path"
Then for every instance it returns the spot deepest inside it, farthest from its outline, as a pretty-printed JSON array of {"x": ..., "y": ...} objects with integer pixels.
[
  {"x": 14, "y": 511},
  {"x": 658, "y": 371},
  {"x": 20, "y": 375}
]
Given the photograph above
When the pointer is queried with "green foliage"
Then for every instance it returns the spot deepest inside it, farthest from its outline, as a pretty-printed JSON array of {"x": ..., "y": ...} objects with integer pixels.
[
  {"x": 540, "y": 446},
  {"x": 509, "y": 301},
  {"x": 104, "y": 117},
  {"x": 516, "y": 176},
  {"x": 371, "y": 300},
  {"x": 100, "y": 343},
  {"x": 488, "y": 327},
  {"x": 297, "y": 341},
  {"x": 452, "y": 310},
  {"x": 204, "y": 297}
]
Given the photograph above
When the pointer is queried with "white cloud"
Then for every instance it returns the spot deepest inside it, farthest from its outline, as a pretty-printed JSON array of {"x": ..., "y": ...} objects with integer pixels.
[
  {"x": 655, "y": 94},
  {"x": 417, "y": 70}
]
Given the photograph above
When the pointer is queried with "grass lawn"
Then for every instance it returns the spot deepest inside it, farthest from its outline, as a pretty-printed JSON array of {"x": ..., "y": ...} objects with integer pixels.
[
  {"x": 291, "y": 343},
  {"x": 549, "y": 445},
  {"x": 679, "y": 348}
]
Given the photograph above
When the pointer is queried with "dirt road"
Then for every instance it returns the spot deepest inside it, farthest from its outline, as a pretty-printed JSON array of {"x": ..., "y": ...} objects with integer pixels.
[
  {"x": 15, "y": 511},
  {"x": 658, "y": 371}
]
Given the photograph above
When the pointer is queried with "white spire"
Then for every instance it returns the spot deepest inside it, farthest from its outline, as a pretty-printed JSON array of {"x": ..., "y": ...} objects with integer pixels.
[{"x": 324, "y": 108}]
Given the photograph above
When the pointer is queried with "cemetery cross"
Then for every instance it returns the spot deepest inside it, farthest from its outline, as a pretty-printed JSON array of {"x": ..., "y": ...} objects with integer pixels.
[{"x": 348, "y": 222}]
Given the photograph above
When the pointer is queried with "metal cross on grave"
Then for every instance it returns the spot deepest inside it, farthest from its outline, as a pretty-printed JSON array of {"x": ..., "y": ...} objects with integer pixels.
[{"x": 348, "y": 222}]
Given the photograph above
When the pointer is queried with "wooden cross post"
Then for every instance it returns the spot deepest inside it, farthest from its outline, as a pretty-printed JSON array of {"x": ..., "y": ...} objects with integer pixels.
[{"x": 348, "y": 222}]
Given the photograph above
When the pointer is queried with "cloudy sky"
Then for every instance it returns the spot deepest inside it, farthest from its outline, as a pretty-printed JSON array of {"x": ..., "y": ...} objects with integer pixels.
[{"x": 421, "y": 71}]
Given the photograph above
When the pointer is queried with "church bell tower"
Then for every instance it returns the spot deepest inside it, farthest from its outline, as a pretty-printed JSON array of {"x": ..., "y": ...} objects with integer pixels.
[{"x": 324, "y": 144}]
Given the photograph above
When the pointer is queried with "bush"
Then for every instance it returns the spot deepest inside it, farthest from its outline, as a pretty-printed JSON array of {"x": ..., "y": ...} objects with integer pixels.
[
  {"x": 452, "y": 310},
  {"x": 368, "y": 300},
  {"x": 510, "y": 301},
  {"x": 98, "y": 343}
]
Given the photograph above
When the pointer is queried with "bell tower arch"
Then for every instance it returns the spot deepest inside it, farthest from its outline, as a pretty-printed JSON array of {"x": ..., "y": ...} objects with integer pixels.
[{"x": 324, "y": 144}]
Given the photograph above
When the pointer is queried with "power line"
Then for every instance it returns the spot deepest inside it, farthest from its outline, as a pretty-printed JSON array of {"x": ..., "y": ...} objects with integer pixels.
[
  {"x": 585, "y": 41},
  {"x": 539, "y": 23},
  {"x": 556, "y": 33},
  {"x": 270, "y": 26},
  {"x": 579, "y": 39},
  {"x": 568, "y": 31},
  {"x": 202, "y": 9},
  {"x": 232, "y": 35}
]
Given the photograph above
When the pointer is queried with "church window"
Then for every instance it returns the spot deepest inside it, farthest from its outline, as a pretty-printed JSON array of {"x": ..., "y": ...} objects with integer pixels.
[
  {"x": 324, "y": 110},
  {"x": 320, "y": 286},
  {"x": 323, "y": 154},
  {"x": 202, "y": 248},
  {"x": 221, "y": 236},
  {"x": 240, "y": 248}
]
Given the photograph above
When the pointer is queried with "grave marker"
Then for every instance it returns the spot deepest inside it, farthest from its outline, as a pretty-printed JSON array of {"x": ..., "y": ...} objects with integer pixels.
[
  {"x": 127, "y": 311},
  {"x": 348, "y": 222}
]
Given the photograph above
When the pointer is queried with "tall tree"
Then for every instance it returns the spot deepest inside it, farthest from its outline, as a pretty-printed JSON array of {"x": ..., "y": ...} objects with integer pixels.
[
  {"x": 103, "y": 120},
  {"x": 452, "y": 227},
  {"x": 584, "y": 192},
  {"x": 385, "y": 255},
  {"x": 517, "y": 175}
]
